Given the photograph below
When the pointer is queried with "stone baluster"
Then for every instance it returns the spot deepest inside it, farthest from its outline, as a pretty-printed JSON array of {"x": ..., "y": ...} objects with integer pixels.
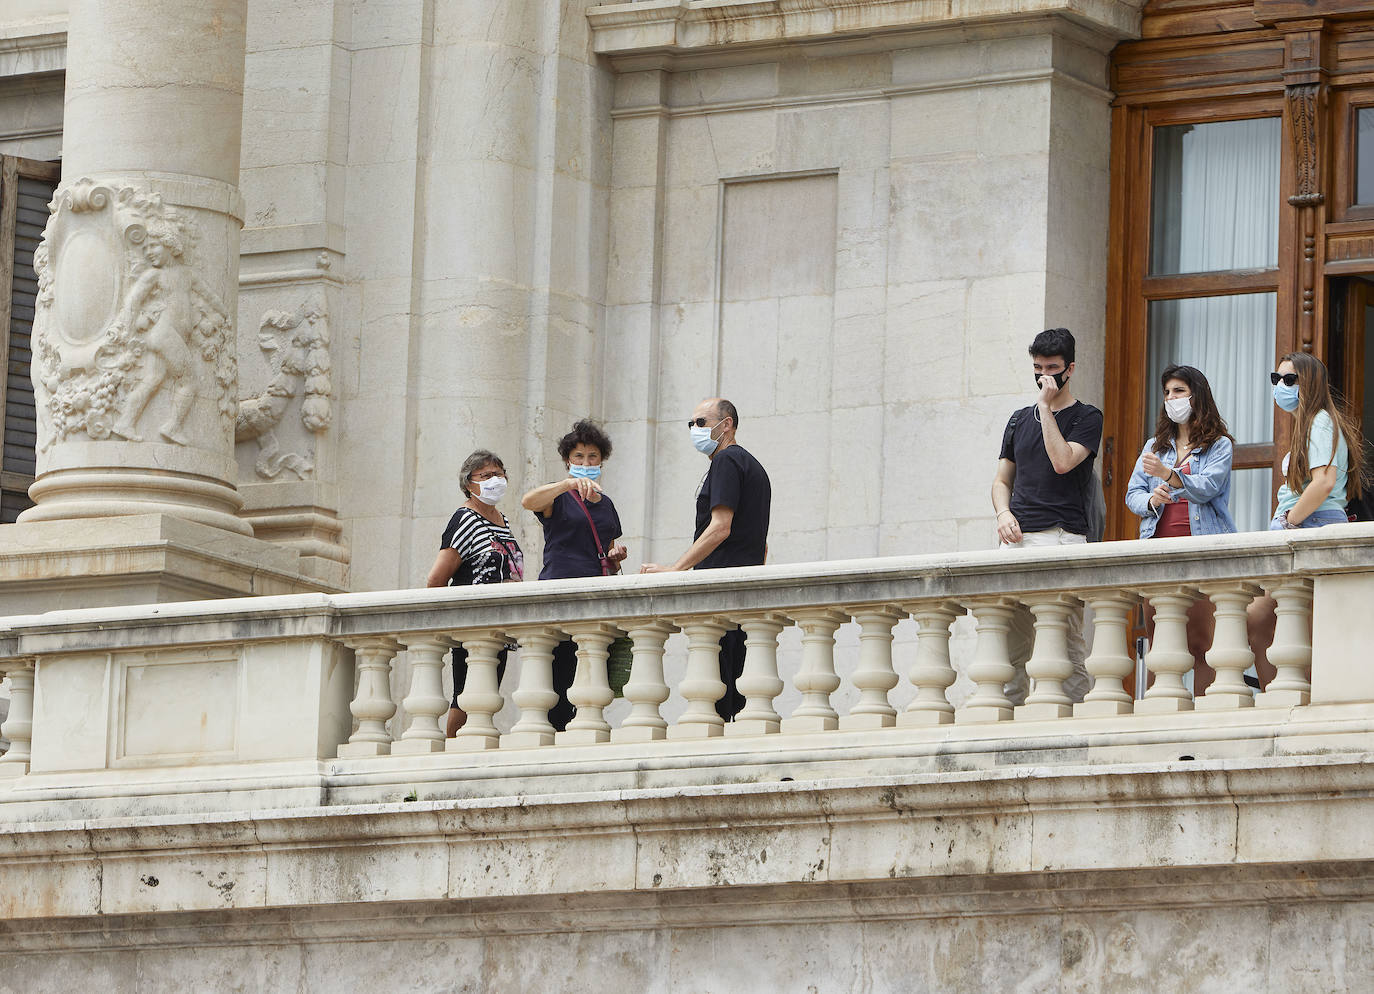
[
  {"x": 874, "y": 676},
  {"x": 535, "y": 695},
  {"x": 426, "y": 703},
  {"x": 759, "y": 682},
  {"x": 481, "y": 697},
  {"x": 372, "y": 705},
  {"x": 1048, "y": 666},
  {"x": 591, "y": 690},
  {"x": 1291, "y": 653},
  {"x": 817, "y": 679},
  {"x": 19, "y": 724},
  {"x": 1111, "y": 660},
  {"x": 701, "y": 685},
  {"x": 991, "y": 666},
  {"x": 1230, "y": 654},
  {"x": 1169, "y": 658},
  {"x": 932, "y": 673},
  {"x": 646, "y": 690}
]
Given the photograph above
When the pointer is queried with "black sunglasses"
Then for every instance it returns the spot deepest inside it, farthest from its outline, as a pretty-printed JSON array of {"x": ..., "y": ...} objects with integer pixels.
[
  {"x": 699, "y": 422},
  {"x": 1288, "y": 378}
]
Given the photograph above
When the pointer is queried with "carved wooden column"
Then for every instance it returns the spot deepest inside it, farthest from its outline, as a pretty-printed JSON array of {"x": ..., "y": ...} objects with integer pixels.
[
  {"x": 134, "y": 364},
  {"x": 1307, "y": 57}
]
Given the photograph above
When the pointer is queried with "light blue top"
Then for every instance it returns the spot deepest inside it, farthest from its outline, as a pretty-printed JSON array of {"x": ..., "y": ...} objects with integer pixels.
[
  {"x": 1320, "y": 453},
  {"x": 1207, "y": 489}
]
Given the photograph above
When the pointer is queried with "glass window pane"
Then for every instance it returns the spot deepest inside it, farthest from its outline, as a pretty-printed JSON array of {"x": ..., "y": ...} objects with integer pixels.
[
  {"x": 1252, "y": 498},
  {"x": 1364, "y": 156},
  {"x": 1215, "y": 203},
  {"x": 1231, "y": 339}
]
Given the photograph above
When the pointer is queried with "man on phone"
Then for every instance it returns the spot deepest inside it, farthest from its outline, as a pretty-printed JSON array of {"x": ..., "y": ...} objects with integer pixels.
[{"x": 1041, "y": 490}]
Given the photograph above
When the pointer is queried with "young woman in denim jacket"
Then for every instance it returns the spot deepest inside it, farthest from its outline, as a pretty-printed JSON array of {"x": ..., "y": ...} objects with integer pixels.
[{"x": 1182, "y": 485}]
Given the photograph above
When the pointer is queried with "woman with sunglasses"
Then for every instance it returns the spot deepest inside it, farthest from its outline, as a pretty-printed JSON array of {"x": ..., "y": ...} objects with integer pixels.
[
  {"x": 477, "y": 546},
  {"x": 1322, "y": 470},
  {"x": 581, "y": 532},
  {"x": 1182, "y": 485}
]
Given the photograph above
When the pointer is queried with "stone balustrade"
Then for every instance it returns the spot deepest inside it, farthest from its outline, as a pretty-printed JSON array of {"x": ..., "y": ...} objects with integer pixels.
[{"x": 310, "y": 679}]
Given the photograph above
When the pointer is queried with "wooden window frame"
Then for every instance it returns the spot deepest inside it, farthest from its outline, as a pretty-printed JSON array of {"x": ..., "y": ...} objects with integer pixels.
[
  {"x": 1132, "y": 289},
  {"x": 12, "y": 169}
]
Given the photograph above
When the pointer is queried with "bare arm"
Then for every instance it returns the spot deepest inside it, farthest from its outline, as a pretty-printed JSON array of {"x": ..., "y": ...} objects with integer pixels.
[
  {"x": 540, "y": 499},
  {"x": 1008, "y": 528},
  {"x": 445, "y": 565},
  {"x": 722, "y": 519},
  {"x": 1064, "y": 456}
]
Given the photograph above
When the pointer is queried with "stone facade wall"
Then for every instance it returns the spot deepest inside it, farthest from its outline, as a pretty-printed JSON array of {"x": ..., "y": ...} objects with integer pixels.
[{"x": 470, "y": 230}]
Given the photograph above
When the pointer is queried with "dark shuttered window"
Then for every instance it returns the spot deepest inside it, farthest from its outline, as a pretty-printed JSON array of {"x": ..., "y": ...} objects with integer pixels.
[{"x": 26, "y": 187}]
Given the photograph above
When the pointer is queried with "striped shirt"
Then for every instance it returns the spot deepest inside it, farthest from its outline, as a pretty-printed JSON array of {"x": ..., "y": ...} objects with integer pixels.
[{"x": 489, "y": 552}]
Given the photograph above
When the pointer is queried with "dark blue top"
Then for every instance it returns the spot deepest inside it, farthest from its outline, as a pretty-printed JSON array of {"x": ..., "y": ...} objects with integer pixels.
[{"x": 569, "y": 549}]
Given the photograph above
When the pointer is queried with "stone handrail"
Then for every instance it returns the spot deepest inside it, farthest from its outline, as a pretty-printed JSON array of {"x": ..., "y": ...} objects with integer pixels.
[{"x": 204, "y": 683}]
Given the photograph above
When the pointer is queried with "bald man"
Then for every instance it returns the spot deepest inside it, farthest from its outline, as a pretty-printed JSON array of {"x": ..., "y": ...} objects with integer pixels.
[{"x": 733, "y": 506}]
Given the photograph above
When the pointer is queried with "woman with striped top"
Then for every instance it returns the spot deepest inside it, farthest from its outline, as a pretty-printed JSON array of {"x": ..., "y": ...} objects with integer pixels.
[{"x": 477, "y": 546}]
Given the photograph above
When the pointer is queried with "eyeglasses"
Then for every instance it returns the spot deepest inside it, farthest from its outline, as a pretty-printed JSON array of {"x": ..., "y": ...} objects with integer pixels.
[
  {"x": 699, "y": 422},
  {"x": 1288, "y": 378}
]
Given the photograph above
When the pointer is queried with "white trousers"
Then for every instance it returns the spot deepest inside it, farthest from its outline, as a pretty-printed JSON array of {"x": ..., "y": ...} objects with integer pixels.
[{"x": 1021, "y": 638}]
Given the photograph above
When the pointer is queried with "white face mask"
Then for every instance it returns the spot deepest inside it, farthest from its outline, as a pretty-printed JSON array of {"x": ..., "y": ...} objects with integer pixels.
[
  {"x": 702, "y": 440},
  {"x": 492, "y": 490},
  {"x": 1179, "y": 409}
]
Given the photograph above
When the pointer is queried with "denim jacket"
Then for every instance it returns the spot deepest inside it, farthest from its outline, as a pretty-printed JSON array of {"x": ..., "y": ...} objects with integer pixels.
[{"x": 1207, "y": 489}]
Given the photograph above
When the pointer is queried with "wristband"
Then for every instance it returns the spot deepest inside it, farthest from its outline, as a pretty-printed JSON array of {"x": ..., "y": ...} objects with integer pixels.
[{"x": 1005, "y": 510}]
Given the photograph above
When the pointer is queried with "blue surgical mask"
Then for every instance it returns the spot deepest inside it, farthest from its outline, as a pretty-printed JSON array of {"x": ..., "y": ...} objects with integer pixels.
[
  {"x": 1286, "y": 397},
  {"x": 702, "y": 440},
  {"x": 585, "y": 472}
]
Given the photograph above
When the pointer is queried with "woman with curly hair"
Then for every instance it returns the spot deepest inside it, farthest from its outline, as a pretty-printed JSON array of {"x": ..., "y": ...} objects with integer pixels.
[
  {"x": 1182, "y": 486},
  {"x": 581, "y": 532}
]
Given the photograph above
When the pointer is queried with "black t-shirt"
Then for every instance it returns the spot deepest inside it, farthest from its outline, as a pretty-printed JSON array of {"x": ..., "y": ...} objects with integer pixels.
[
  {"x": 1040, "y": 497},
  {"x": 736, "y": 480},
  {"x": 569, "y": 548}
]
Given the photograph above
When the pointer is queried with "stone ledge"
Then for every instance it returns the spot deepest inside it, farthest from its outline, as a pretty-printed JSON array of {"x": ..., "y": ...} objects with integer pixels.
[
  {"x": 684, "y": 26},
  {"x": 779, "y": 904},
  {"x": 998, "y": 825},
  {"x": 148, "y": 559},
  {"x": 1338, "y": 549}
]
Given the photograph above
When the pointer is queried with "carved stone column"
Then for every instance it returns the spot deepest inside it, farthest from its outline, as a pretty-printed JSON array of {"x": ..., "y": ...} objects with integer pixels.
[{"x": 134, "y": 365}]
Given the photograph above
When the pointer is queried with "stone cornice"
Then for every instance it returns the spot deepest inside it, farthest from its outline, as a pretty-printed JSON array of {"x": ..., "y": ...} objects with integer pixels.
[
  {"x": 31, "y": 49},
  {"x": 684, "y": 26},
  {"x": 874, "y": 830}
]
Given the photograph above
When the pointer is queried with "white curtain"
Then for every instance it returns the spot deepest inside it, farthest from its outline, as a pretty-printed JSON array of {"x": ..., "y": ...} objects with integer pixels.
[{"x": 1216, "y": 207}]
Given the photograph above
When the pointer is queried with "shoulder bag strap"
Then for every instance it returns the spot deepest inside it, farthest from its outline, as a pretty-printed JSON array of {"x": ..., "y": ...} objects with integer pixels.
[
  {"x": 509, "y": 552},
  {"x": 596, "y": 536}
]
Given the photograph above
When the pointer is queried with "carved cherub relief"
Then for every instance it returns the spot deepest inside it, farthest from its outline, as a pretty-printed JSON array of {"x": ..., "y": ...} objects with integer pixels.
[
  {"x": 122, "y": 317},
  {"x": 161, "y": 308}
]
